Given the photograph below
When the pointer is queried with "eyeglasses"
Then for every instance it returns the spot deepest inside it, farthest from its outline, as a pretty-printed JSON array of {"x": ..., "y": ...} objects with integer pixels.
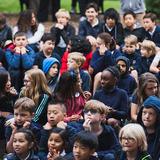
[
  {"x": 128, "y": 139},
  {"x": 92, "y": 111}
]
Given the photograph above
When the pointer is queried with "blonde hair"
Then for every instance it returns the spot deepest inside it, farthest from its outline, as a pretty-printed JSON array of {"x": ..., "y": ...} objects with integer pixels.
[
  {"x": 97, "y": 105},
  {"x": 77, "y": 57},
  {"x": 136, "y": 132},
  {"x": 38, "y": 85},
  {"x": 149, "y": 46},
  {"x": 131, "y": 39},
  {"x": 63, "y": 12}
]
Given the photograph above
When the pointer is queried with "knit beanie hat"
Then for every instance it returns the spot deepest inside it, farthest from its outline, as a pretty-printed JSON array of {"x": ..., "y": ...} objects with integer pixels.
[{"x": 48, "y": 62}]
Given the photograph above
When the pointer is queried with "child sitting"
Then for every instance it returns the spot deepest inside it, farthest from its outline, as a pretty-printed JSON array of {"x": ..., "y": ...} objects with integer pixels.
[
  {"x": 20, "y": 59},
  {"x": 148, "y": 117},
  {"x": 23, "y": 114}
]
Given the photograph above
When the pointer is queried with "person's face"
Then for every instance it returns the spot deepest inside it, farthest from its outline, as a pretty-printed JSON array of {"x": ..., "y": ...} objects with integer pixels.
[
  {"x": 122, "y": 66},
  {"x": 129, "y": 48},
  {"x": 110, "y": 22},
  {"x": 20, "y": 145},
  {"x": 149, "y": 117},
  {"x": 55, "y": 142},
  {"x": 151, "y": 89},
  {"x": 91, "y": 14},
  {"x": 53, "y": 71},
  {"x": 27, "y": 81},
  {"x": 129, "y": 144},
  {"x": 144, "y": 52},
  {"x": 72, "y": 64},
  {"x": 33, "y": 21},
  {"x": 129, "y": 20},
  {"x": 8, "y": 84},
  {"x": 48, "y": 46},
  {"x": 93, "y": 115},
  {"x": 22, "y": 116},
  {"x": 148, "y": 24},
  {"x": 55, "y": 114},
  {"x": 99, "y": 42},
  {"x": 108, "y": 81},
  {"x": 20, "y": 41},
  {"x": 81, "y": 152},
  {"x": 62, "y": 20}
]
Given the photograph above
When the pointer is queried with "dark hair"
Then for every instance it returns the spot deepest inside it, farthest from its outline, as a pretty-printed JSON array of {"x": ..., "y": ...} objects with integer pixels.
[
  {"x": 29, "y": 136},
  {"x": 48, "y": 37},
  {"x": 19, "y": 34},
  {"x": 2, "y": 19},
  {"x": 92, "y": 5},
  {"x": 129, "y": 12},
  {"x": 114, "y": 71},
  {"x": 25, "y": 104},
  {"x": 24, "y": 21},
  {"x": 111, "y": 13},
  {"x": 80, "y": 44},
  {"x": 3, "y": 80},
  {"x": 87, "y": 138},
  {"x": 150, "y": 15}
]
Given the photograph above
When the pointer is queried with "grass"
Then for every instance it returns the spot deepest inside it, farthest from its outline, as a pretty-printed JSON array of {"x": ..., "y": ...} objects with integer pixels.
[{"x": 12, "y": 6}]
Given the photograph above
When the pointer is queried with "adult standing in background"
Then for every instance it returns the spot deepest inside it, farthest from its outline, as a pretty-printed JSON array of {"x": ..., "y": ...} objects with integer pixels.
[
  {"x": 137, "y": 6},
  {"x": 44, "y": 9}
]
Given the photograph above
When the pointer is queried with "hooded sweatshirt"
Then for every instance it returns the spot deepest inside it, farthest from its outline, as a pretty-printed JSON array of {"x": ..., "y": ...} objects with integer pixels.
[{"x": 153, "y": 139}]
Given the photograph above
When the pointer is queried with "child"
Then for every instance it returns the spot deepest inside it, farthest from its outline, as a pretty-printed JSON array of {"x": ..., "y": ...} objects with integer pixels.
[
  {"x": 148, "y": 85},
  {"x": 5, "y": 31},
  {"x": 112, "y": 96},
  {"x": 75, "y": 62},
  {"x": 148, "y": 51},
  {"x": 152, "y": 30},
  {"x": 62, "y": 31},
  {"x": 126, "y": 81},
  {"x": 72, "y": 95},
  {"x": 134, "y": 142},
  {"x": 51, "y": 67},
  {"x": 37, "y": 89},
  {"x": 47, "y": 50},
  {"x": 131, "y": 28},
  {"x": 113, "y": 26},
  {"x": 23, "y": 114},
  {"x": 148, "y": 117},
  {"x": 91, "y": 26},
  {"x": 20, "y": 59},
  {"x": 23, "y": 145}
]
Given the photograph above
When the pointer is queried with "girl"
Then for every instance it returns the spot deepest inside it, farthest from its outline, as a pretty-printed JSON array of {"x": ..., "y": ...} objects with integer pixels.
[
  {"x": 27, "y": 23},
  {"x": 69, "y": 90},
  {"x": 23, "y": 145},
  {"x": 51, "y": 67},
  {"x": 148, "y": 85},
  {"x": 36, "y": 88},
  {"x": 134, "y": 143},
  {"x": 57, "y": 143},
  {"x": 8, "y": 96}
]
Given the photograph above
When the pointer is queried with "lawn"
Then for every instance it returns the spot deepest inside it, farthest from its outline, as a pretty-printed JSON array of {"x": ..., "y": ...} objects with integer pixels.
[{"x": 12, "y": 6}]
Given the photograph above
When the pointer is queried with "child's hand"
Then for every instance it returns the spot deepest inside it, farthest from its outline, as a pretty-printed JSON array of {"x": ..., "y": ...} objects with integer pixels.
[
  {"x": 102, "y": 49},
  {"x": 17, "y": 50},
  {"x": 9, "y": 122},
  {"x": 62, "y": 125},
  {"x": 26, "y": 124},
  {"x": 47, "y": 126},
  {"x": 87, "y": 125},
  {"x": 53, "y": 154},
  {"x": 87, "y": 95},
  {"x": 60, "y": 26},
  {"x": 13, "y": 91},
  {"x": 75, "y": 117},
  {"x": 92, "y": 40},
  {"x": 23, "y": 50}
]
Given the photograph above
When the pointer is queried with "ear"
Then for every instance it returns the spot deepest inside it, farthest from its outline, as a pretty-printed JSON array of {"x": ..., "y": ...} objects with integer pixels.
[
  {"x": 65, "y": 115},
  {"x": 92, "y": 151},
  {"x": 31, "y": 145},
  {"x": 32, "y": 114},
  {"x": 79, "y": 64}
]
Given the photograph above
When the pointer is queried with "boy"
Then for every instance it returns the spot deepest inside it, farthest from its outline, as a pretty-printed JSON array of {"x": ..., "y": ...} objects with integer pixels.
[
  {"x": 152, "y": 30},
  {"x": 19, "y": 59},
  {"x": 112, "y": 96},
  {"x": 23, "y": 114},
  {"x": 48, "y": 44},
  {"x": 131, "y": 27},
  {"x": 148, "y": 117},
  {"x": 94, "y": 116},
  {"x": 126, "y": 81}
]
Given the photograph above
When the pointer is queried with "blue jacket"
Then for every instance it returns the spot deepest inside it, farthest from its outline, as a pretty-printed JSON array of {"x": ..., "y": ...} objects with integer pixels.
[
  {"x": 153, "y": 139},
  {"x": 117, "y": 99}
]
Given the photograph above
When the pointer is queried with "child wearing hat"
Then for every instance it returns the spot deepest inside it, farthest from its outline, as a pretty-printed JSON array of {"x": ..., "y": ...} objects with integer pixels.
[{"x": 51, "y": 67}]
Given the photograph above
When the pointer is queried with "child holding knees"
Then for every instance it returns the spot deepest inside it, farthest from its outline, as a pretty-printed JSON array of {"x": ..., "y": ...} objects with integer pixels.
[
  {"x": 24, "y": 145},
  {"x": 134, "y": 143}
]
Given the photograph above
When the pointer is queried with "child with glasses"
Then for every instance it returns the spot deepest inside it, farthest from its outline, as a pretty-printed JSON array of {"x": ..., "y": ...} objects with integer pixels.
[{"x": 94, "y": 116}]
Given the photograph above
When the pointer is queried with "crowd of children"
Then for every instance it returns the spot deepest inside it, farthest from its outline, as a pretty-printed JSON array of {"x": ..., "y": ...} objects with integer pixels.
[{"x": 91, "y": 93}]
